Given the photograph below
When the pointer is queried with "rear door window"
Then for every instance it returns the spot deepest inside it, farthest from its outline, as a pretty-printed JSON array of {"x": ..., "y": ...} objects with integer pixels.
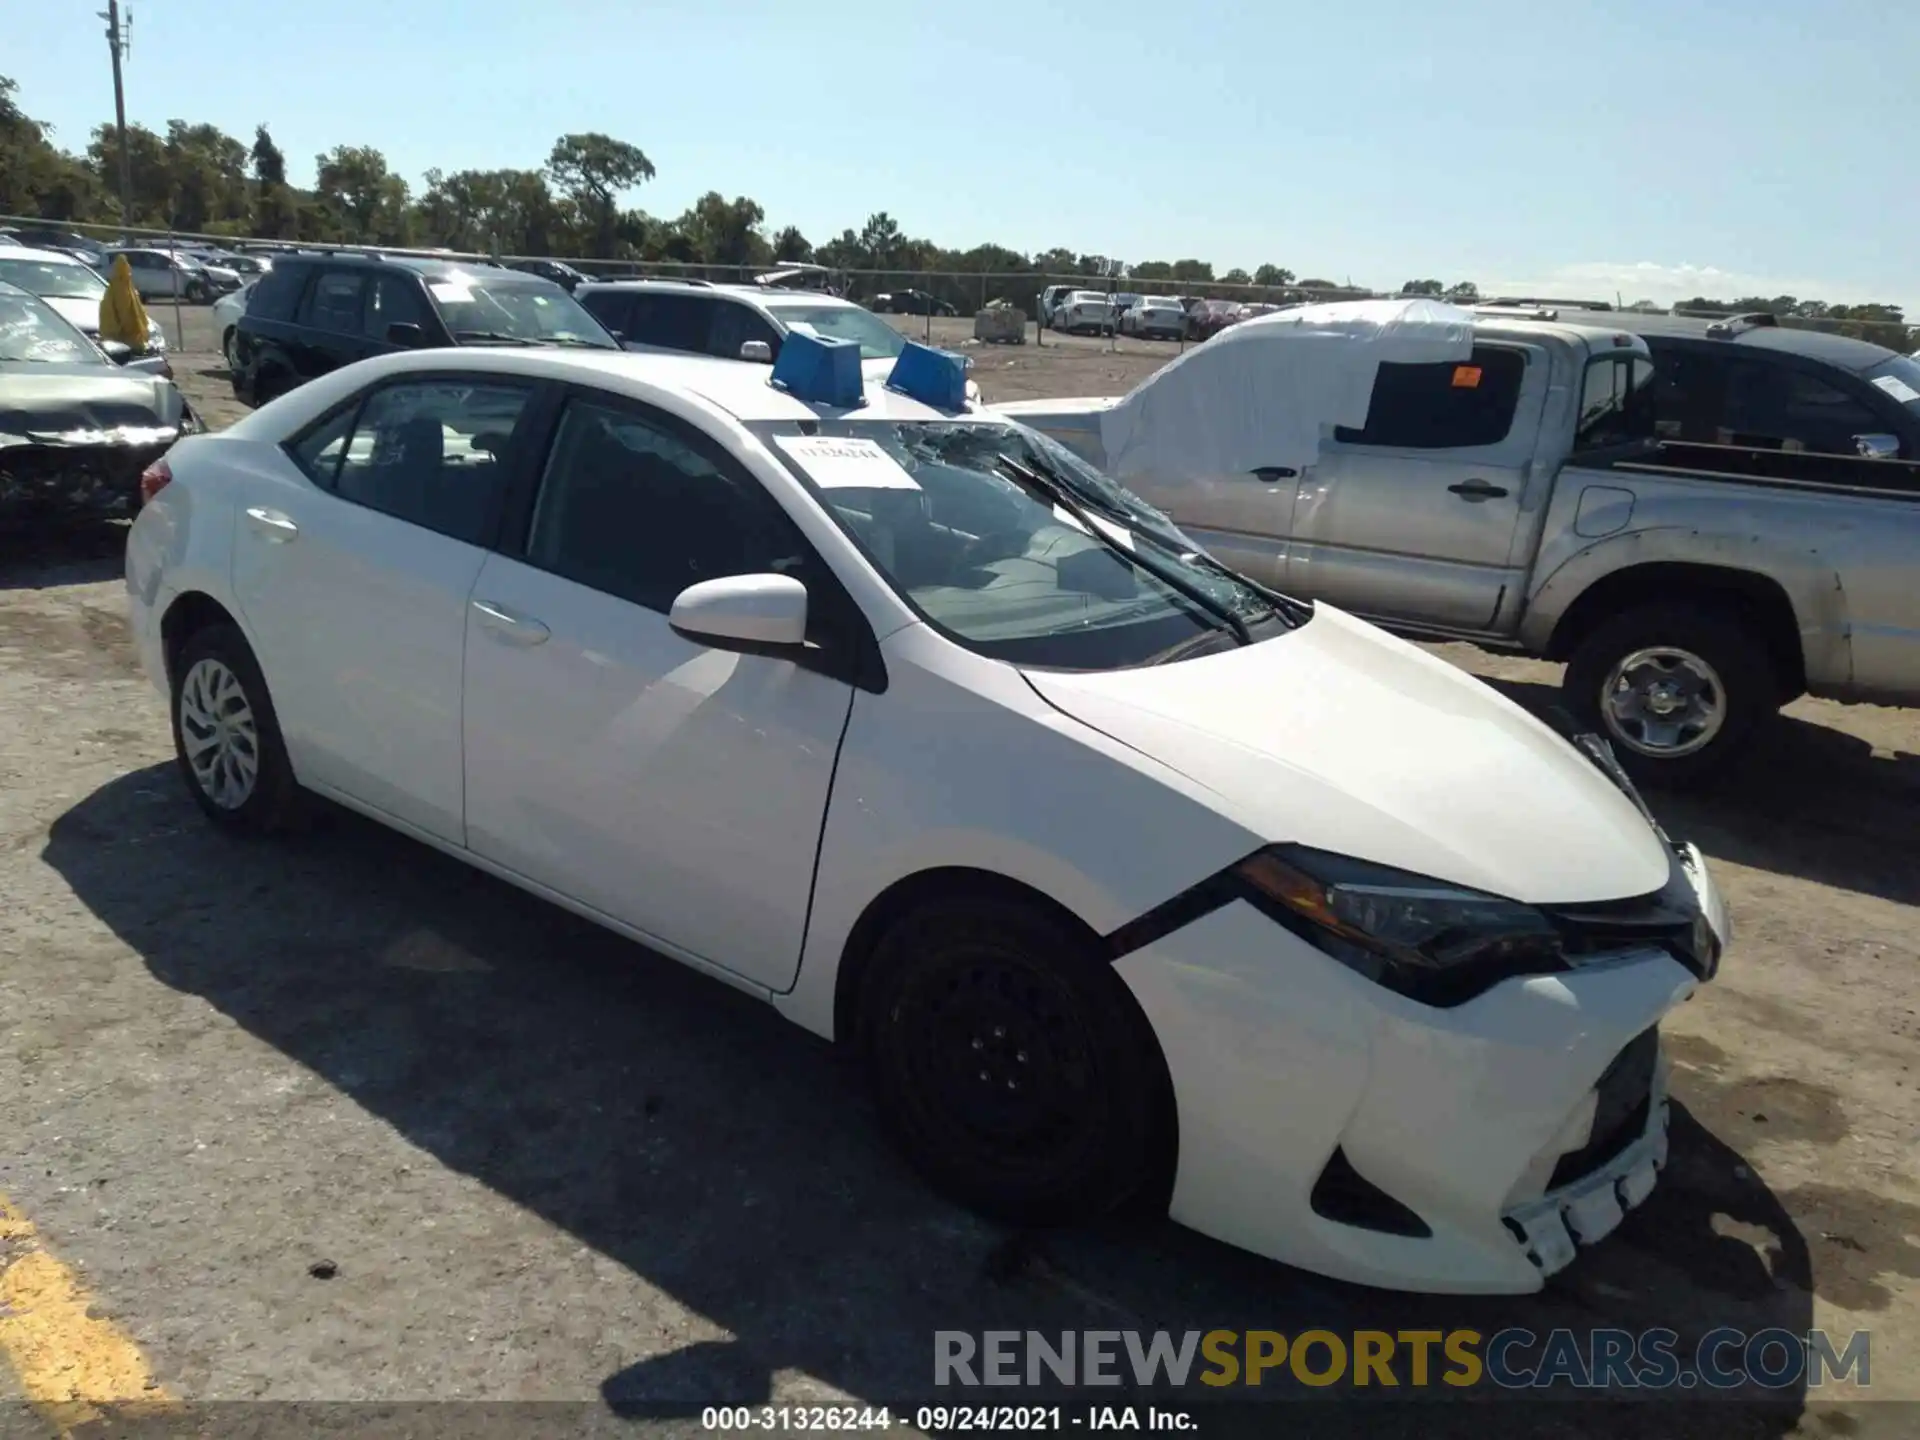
[
  {"x": 1450, "y": 406},
  {"x": 432, "y": 452},
  {"x": 278, "y": 293},
  {"x": 334, "y": 304}
]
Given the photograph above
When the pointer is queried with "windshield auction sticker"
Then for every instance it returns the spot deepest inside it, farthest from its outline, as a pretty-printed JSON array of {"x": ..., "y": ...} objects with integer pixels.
[
  {"x": 846, "y": 464},
  {"x": 1898, "y": 388}
]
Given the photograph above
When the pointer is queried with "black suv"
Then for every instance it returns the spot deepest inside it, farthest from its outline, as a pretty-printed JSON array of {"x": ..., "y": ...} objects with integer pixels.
[
  {"x": 312, "y": 313},
  {"x": 1747, "y": 381}
]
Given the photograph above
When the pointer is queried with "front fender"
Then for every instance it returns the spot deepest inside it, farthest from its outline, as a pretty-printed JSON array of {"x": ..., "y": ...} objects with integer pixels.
[{"x": 1813, "y": 586}]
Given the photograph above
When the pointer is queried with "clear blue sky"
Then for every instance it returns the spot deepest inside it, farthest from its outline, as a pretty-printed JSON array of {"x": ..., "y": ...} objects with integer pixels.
[{"x": 1659, "y": 149}]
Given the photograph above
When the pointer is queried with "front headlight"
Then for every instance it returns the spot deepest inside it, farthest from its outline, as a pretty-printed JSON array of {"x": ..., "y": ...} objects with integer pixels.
[{"x": 1431, "y": 941}]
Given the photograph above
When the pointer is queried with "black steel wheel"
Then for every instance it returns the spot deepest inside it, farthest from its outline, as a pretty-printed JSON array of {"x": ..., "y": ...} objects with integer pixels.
[{"x": 1010, "y": 1062}]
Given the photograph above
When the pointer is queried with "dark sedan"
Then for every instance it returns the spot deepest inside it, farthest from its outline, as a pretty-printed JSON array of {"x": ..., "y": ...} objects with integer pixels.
[{"x": 76, "y": 430}]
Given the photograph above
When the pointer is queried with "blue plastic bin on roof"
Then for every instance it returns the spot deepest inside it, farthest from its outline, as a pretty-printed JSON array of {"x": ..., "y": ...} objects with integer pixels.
[
  {"x": 820, "y": 370},
  {"x": 933, "y": 377}
]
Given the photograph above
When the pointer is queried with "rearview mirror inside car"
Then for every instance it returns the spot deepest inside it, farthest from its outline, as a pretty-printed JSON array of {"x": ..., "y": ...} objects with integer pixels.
[
  {"x": 407, "y": 334},
  {"x": 1878, "y": 447},
  {"x": 743, "y": 612}
]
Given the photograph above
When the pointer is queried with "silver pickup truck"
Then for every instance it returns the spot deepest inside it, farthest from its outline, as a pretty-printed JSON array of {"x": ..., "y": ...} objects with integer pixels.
[{"x": 1501, "y": 480}]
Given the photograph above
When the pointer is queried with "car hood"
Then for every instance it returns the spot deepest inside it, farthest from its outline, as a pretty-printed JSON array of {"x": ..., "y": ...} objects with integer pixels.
[
  {"x": 84, "y": 314},
  {"x": 85, "y": 405},
  {"x": 1342, "y": 737},
  {"x": 78, "y": 311}
]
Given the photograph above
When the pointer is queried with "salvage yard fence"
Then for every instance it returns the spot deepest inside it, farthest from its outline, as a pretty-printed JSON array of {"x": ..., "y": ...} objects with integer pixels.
[{"x": 958, "y": 292}]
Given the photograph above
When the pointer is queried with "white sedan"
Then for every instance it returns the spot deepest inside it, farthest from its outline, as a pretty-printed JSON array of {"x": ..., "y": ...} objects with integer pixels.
[
  {"x": 1156, "y": 317},
  {"x": 1084, "y": 310},
  {"x": 1121, "y": 876}
]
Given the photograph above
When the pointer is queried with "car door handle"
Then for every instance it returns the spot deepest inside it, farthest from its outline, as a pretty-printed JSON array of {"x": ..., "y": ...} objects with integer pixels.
[
  {"x": 1478, "y": 490},
  {"x": 1272, "y": 473},
  {"x": 512, "y": 628},
  {"x": 272, "y": 524}
]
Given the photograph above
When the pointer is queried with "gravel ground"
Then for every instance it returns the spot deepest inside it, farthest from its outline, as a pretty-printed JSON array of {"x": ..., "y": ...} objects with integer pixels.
[{"x": 538, "y": 1163}]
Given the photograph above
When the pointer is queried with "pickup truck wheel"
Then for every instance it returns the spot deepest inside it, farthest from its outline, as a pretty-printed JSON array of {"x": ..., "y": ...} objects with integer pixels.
[{"x": 1678, "y": 691}]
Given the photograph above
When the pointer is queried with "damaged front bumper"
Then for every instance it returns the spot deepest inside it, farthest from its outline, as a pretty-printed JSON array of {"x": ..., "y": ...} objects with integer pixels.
[{"x": 97, "y": 479}]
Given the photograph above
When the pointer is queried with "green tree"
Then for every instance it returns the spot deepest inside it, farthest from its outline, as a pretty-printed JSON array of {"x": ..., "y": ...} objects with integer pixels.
[
  {"x": 275, "y": 207},
  {"x": 1422, "y": 287},
  {"x": 1152, "y": 270},
  {"x": 726, "y": 232},
  {"x": 880, "y": 241},
  {"x": 1272, "y": 275},
  {"x": 1192, "y": 272},
  {"x": 594, "y": 171},
  {"x": 790, "y": 244},
  {"x": 1236, "y": 276},
  {"x": 1465, "y": 292},
  {"x": 367, "y": 200}
]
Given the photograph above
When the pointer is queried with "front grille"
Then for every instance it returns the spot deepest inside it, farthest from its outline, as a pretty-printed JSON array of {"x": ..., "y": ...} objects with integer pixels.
[
  {"x": 65, "y": 479},
  {"x": 1623, "y": 1101}
]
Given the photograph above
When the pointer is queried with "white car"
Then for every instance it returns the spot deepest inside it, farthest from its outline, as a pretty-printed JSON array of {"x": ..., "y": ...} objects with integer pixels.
[
  {"x": 1084, "y": 310},
  {"x": 70, "y": 288},
  {"x": 227, "y": 311},
  {"x": 1113, "y": 870},
  {"x": 1155, "y": 317}
]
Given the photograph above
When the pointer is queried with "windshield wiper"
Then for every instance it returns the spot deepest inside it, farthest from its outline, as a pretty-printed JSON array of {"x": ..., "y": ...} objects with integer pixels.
[
  {"x": 1063, "y": 496},
  {"x": 1285, "y": 606},
  {"x": 496, "y": 336}
]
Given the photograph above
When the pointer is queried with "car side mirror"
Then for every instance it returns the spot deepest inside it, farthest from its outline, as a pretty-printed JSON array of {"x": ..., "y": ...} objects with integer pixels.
[
  {"x": 118, "y": 351},
  {"x": 1877, "y": 447},
  {"x": 758, "y": 351},
  {"x": 743, "y": 612},
  {"x": 406, "y": 334}
]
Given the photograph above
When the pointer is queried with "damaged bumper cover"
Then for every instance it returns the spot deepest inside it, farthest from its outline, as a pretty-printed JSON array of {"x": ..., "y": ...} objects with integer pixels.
[{"x": 83, "y": 473}]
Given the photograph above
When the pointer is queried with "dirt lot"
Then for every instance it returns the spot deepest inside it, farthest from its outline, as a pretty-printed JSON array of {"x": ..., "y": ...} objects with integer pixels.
[{"x": 339, "y": 1120}]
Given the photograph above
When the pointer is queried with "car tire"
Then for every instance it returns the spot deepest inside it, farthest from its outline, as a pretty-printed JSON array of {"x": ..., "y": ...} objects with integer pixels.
[
  {"x": 1678, "y": 690},
  {"x": 1011, "y": 1064},
  {"x": 226, "y": 736}
]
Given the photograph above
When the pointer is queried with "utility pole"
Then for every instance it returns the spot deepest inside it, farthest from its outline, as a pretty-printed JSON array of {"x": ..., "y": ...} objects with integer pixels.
[{"x": 117, "y": 43}]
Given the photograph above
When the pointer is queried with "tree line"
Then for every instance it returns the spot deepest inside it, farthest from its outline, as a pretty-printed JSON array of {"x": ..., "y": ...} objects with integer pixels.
[{"x": 196, "y": 178}]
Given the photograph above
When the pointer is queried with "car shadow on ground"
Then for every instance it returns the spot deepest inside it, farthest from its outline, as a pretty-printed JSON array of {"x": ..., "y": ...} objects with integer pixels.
[
  {"x": 1808, "y": 801},
  {"x": 62, "y": 551},
  {"x": 726, "y": 1157}
]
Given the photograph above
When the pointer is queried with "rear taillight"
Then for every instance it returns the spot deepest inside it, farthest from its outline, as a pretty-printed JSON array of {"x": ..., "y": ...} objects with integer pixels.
[{"x": 155, "y": 478}]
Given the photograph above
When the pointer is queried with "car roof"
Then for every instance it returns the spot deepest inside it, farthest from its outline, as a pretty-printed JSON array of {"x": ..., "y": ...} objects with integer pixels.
[
  {"x": 430, "y": 267},
  {"x": 1842, "y": 351},
  {"x": 35, "y": 252},
  {"x": 739, "y": 388}
]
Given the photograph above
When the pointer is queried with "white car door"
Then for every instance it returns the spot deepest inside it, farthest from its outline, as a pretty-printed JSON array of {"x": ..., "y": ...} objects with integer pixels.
[
  {"x": 673, "y": 786},
  {"x": 352, "y": 572}
]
